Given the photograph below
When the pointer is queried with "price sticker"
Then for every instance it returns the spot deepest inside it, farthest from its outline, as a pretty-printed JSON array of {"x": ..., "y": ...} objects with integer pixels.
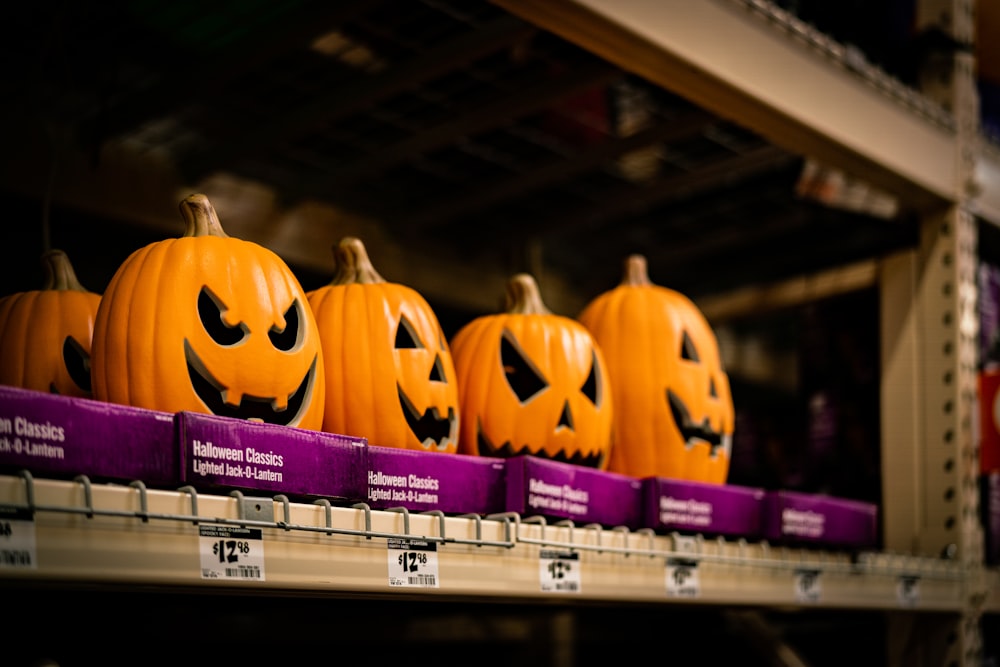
[
  {"x": 682, "y": 578},
  {"x": 559, "y": 571},
  {"x": 808, "y": 586},
  {"x": 413, "y": 563},
  {"x": 17, "y": 538},
  {"x": 231, "y": 552},
  {"x": 908, "y": 590}
]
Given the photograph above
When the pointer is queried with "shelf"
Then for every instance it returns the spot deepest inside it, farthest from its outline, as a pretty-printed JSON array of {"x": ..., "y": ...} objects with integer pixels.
[
  {"x": 86, "y": 533},
  {"x": 753, "y": 61}
]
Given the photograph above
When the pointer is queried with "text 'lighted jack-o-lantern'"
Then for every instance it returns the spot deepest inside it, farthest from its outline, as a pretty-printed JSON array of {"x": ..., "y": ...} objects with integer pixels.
[
  {"x": 532, "y": 382},
  {"x": 45, "y": 334},
  {"x": 389, "y": 376},
  {"x": 209, "y": 323},
  {"x": 674, "y": 412}
]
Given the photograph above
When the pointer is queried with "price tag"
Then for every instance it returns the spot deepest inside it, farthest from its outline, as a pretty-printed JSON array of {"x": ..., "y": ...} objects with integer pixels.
[
  {"x": 908, "y": 590},
  {"x": 231, "y": 552},
  {"x": 559, "y": 571},
  {"x": 413, "y": 563},
  {"x": 17, "y": 538},
  {"x": 682, "y": 578},
  {"x": 808, "y": 587}
]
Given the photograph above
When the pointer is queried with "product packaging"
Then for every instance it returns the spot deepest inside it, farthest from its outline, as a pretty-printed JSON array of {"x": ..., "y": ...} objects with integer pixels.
[
  {"x": 428, "y": 481},
  {"x": 557, "y": 490},
  {"x": 49, "y": 435},
  {"x": 224, "y": 452},
  {"x": 697, "y": 507}
]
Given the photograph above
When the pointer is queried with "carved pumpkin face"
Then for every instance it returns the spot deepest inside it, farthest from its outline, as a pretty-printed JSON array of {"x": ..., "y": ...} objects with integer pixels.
[
  {"x": 391, "y": 378},
  {"x": 531, "y": 382},
  {"x": 674, "y": 412},
  {"x": 212, "y": 324},
  {"x": 45, "y": 334}
]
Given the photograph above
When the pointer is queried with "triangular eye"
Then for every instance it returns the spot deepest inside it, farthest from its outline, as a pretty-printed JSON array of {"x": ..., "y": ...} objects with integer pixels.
[
  {"x": 77, "y": 363},
  {"x": 592, "y": 385},
  {"x": 285, "y": 339},
  {"x": 406, "y": 337},
  {"x": 712, "y": 391},
  {"x": 437, "y": 370},
  {"x": 210, "y": 309},
  {"x": 522, "y": 376},
  {"x": 688, "y": 350}
]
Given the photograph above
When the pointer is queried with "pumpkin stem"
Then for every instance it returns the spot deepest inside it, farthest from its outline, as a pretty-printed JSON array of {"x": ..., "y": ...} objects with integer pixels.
[
  {"x": 523, "y": 296},
  {"x": 636, "y": 273},
  {"x": 59, "y": 273},
  {"x": 201, "y": 218},
  {"x": 353, "y": 264}
]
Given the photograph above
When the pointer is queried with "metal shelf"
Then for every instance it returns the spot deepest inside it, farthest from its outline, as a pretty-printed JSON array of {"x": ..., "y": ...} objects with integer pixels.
[
  {"x": 751, "y": 60},
  {"x": 117, "y": 533}
]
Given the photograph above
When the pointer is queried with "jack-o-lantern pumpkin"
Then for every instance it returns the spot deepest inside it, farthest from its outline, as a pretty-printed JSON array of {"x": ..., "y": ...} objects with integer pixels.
[
  {"x": 209, "y": 323},
  {"x": 532, "y": 382},
  {"x": 45, "y": 334},
  {"x": 390, "y": 376},
  {"x": 674, "y": 413}
]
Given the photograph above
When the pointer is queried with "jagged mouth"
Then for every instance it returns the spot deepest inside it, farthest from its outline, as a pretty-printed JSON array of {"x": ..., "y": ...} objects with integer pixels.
[
  {"x": 507, "y": 450},
  {"x": 431, "y": 429},
  {"x": 255, "y": 408},
  {"x": 694, "y": 432}
]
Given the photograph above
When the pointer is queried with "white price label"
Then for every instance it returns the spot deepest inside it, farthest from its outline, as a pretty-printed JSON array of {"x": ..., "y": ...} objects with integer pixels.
[
  {"x": 17, "y": 538},
  {"x": 413, "y": 563},
  {"x": 559, "y": 571},
  {"x": 231, "y": 552},
  {"x": 682, "y": 578},
  {"x": 808, "y": 586},
  {"x": 908, "y": 590}
]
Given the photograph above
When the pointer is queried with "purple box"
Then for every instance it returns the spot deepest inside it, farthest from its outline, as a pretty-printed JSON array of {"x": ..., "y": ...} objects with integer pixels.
[
  {"x": 58, "y": 436},
  {"x": 802, "y": 518},
  {"x": 557, "y": 490},
  {"x": 236, "y": 453},
  {"x": 699, "y": 507},
  {"x": 426, "y": 481}
]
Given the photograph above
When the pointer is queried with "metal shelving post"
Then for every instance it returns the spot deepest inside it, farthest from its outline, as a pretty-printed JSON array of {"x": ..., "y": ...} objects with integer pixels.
[{"x": 929, "y": 352}]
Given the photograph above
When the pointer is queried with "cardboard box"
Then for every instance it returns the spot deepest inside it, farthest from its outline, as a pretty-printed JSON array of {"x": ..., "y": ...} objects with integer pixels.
[
  {"x": 698, "y": 507},
  {"x": 62, "y": 437},
  {"x": 224, "y": 452},
  {"x": 811, "y": 519},
  {"x": 427, "y": 481},
  {"x": 557, "y": 490}
]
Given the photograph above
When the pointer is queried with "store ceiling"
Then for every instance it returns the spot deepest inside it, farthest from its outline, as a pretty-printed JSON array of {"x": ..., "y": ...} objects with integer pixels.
[{"x": 460, "y": 128}]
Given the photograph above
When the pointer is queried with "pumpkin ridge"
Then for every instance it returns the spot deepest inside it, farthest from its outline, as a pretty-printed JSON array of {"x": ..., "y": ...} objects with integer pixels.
[{"x": 26, "y": 305}]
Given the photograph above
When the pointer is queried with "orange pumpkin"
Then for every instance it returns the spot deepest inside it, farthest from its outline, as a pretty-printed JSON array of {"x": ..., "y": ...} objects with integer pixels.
[
  {"x": 212, "y": 324},
  {"x": 674, "y": 413},
  {"x": 532, "y": 382},
  {"x": 45, "y": 335},
  {"x": 390, "y": 378}
]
